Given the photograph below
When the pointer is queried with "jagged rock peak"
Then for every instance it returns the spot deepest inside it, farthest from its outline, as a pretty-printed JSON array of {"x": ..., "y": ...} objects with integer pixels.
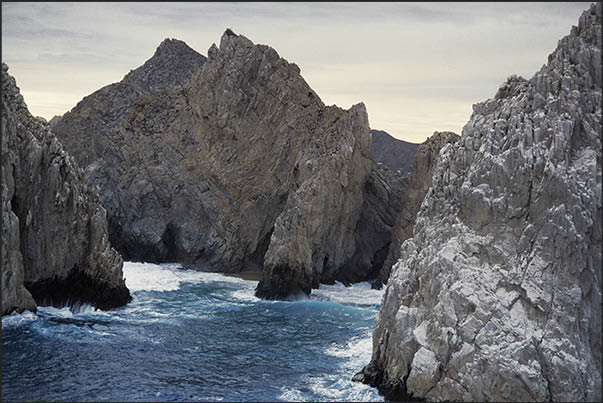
[
  {"x": 241, "y": 167},
  {"x": 497, "y": 296},
  {"x": 212, "y": 52},
  {"x": 173, "y": 63},
  {"x": 589, "y": 25},
  {"x": 237, "y": 51},
  {"x": 230, "y": 40},
  {"x": 85, "y": 131},
  {"x": 229, "y": 33},
  {"x": 442, "y": 138},
  {"x": 174, "y": 46}
]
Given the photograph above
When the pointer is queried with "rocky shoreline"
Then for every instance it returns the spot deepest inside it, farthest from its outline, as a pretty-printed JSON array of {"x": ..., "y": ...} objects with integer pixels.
[{"x": 490, "y": 250}]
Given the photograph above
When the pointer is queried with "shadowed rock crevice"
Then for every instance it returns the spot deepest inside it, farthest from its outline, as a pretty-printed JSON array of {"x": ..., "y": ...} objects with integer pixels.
[
  {"x": 382, "y": 202},
  {"x": 78, "y": 286},
  {"x": 392, "y": 391}
]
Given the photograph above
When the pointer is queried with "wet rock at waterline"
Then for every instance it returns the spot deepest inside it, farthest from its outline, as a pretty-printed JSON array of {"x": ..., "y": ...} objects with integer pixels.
[
  {"x": 54, "y": 231},
  {"x": 497, "y": 296}
]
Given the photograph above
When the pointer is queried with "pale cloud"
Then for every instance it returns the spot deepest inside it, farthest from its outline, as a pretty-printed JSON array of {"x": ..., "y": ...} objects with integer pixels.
[{"x": 417, "y": 66}]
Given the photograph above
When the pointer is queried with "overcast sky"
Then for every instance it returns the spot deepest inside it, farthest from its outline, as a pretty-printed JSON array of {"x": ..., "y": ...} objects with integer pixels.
[{"x": 418, "y": 67}]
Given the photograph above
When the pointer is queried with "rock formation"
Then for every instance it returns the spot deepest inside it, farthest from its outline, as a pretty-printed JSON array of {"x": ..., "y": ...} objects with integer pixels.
[
  {"x": 55, "y": 119},
  {"x": 424, "y": 164},
  {"x": 382, "y": 202},
  {"x": 497, "y": 297},
  {"x": 89, "y": 130},
  {"x": 241, "y": 167},
  {"x": 394, "y": 154},
  {"x": 54, "y": 231}
]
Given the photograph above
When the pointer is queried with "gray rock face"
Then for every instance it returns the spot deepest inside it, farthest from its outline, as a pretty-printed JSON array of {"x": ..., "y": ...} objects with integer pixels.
[
  {"x": 497, "y": 296},
  {"x": 382, "y": 202},
  {"x": 173, "y": 64},
  {"x": 425, "y": 160},
  {"x": 392, "y": 153},
  {"x": 93, "y": 131},
  {"x": 89, "y": 131},
  {"x": 54, "y": 231},
  {"x": 55, "y": 119},
  {"x": 243, "y": 167}
]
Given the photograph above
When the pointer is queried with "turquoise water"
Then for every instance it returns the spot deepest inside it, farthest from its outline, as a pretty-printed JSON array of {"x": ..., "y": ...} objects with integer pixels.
[{"x": 188, "y": 336}]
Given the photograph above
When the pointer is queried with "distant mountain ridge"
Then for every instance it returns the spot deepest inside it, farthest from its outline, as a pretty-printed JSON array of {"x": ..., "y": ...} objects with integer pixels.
[{"x": 391, "y": 152}]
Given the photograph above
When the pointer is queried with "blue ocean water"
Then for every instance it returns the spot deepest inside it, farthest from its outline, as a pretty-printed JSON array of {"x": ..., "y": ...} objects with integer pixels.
[{"x": 188, "y": 336}]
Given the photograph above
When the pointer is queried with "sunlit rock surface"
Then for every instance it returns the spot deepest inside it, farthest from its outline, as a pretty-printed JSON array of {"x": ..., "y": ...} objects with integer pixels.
[
  {"x": 425, "y": 160},
  {"x": 497, "y": 296}
]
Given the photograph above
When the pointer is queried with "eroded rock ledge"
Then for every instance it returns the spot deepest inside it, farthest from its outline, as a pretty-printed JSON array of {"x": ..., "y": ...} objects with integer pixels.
[
  {"x": 54, "y": 230},
  {"x": 497, "y": 296}
]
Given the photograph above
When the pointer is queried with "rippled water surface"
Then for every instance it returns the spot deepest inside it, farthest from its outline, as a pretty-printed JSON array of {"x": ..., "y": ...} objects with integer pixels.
[{"x": 193, "y": 336}]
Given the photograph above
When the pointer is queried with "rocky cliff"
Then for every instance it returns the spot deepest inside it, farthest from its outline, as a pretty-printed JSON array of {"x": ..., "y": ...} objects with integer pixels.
[
  {"x": 423, "y": 166},
  {"x": 497, "y": 297},
  {"x": 392, "y": 153},
  {"x": 382, "y": 202},
  {"x": 241, "y": 168},
  {"x": 54, "y": 231},
  {"x": 90, "y": 130}
]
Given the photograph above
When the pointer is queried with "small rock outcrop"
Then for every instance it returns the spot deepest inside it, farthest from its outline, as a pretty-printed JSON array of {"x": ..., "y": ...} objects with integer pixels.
[
  {"x": 55, "y": 245},
  {"x": 392, "y": 153},
  {"x": 425, "y": 160},
  {"x": 241, "y": 167},
  {"x": 497, "y": 296}
]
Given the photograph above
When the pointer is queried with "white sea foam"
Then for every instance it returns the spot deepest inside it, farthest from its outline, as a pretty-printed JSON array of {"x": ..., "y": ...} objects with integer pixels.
[
  {"x": 357, "y": 353},
  {"x": 338, "y": 388},
  {"x": 246, "y": 295},
  {"x": 18, "y": 319},
  {"x": 334, "y": 387},
  {"x": 358, "y": 294},
  {"x": 168, "y": 277},
  {"x": 69, "y": 310},
  {"x": 357, "y": 350},
  {"x": 291, "y": 395}
]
